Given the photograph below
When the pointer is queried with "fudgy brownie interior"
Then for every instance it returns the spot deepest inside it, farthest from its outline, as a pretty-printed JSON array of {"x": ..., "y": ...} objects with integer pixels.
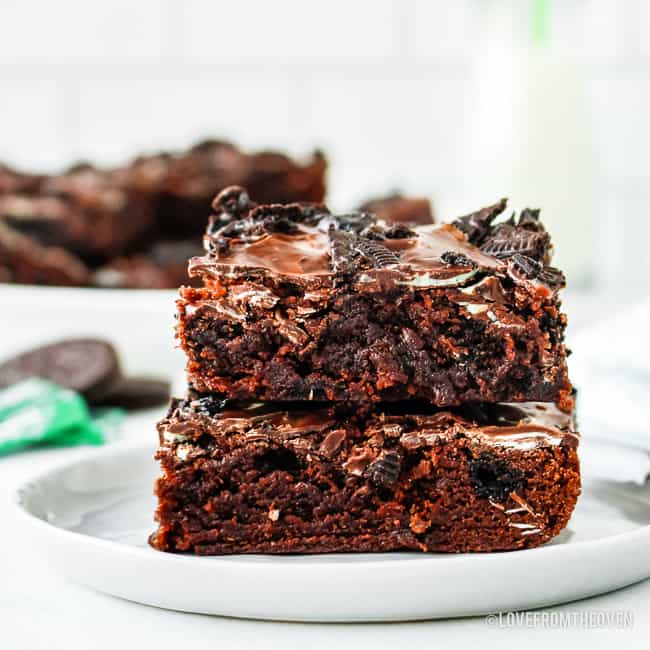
[{"x": 260, "y": 479}]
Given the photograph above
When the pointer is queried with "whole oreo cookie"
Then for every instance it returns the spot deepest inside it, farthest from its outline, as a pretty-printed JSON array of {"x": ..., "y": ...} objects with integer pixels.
[{"x": 87, "y": 366}]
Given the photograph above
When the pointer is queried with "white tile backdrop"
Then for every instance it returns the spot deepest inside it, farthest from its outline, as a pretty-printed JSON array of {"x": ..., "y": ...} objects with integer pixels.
[{"x": 382, "y": 85}]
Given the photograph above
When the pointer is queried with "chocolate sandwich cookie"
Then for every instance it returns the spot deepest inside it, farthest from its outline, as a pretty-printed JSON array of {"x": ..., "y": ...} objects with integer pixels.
[
  {"x": 87, "y": 366},
  {"x": 134, "y": 393}
]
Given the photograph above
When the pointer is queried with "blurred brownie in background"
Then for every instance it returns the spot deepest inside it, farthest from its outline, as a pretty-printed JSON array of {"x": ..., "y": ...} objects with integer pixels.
[
  {"x": 184, "y": 184},
  {"x": 136, "y": 225},
  {"x": 398, "y": 208},
  {"x": 24, "y": 261},
  {"x": 161, "y": 266},
  {"x": 89, "y": 214}
]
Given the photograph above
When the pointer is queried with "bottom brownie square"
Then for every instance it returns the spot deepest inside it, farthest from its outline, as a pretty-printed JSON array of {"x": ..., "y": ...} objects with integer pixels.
[{"x": 272, "y": 479}]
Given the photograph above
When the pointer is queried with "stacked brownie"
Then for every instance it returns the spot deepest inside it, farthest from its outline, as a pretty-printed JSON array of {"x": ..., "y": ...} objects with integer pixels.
[{"x": 357, "y": 385}]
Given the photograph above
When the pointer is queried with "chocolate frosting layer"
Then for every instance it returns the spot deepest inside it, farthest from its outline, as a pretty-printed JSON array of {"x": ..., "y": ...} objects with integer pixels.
[
  {"x": 526, "y": 424},
  {"x": 309, "y": 245}
]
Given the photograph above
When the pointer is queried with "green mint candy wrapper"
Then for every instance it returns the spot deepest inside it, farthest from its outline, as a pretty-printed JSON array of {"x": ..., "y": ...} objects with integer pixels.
[{"x": 37, "y": 412}]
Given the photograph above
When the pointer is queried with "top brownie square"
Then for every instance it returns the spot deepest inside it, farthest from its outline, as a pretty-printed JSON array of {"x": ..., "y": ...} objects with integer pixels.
[{"x": 302, "y": 304}]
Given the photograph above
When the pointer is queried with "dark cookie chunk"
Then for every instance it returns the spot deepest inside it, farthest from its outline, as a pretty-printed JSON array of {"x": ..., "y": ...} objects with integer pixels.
[
  {"x": 524, "y": 235},
  {"x": 356, "y": 222},
  {"x": 385, "y": 470},
  {"x": 529, "y": 217},
  {"x": 533, "y": 270},
  {"x": 477, "y": 224},
  {"x": 508, "y": 240},
  {"x": 230, "y": 204},
  {"x": 351, "y": 252},
  {"x": 526, "y": 266},
  {"x": 495, "y": 479},
  {"x": 209, "y": 405},
  {"x": 379, "y": 255},
  {"x": 400, "y": 231},
  {"x": 457, "y": 259},
  {"x": 284, "y": 219}
]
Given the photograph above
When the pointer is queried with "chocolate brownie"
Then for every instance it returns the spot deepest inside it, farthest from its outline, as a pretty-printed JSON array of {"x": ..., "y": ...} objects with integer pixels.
[
  {"x": 25, "y": 261},
  {"x": 267, "y": 479},
  {"x": 162, "y": 265},
  {"x": 12, "y": 180},
  {"x": 397, "y": 208},
  {"x": 185, "y": 183},
  {"x": 83, "y": 211},
  {"x": 301, "y": 304}
]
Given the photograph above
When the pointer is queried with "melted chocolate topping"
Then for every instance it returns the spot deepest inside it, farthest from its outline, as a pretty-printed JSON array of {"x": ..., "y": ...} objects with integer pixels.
[
  {"x": 308, "y": 244},
  {"x": 528, "y": 423}
]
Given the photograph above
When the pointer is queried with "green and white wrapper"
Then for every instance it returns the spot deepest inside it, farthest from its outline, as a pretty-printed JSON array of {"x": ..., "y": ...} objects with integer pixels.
[{"x": 35, "y": 412}]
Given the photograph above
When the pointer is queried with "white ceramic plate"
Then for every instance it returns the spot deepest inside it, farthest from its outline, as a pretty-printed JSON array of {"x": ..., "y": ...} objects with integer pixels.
[{"x": 92, "y": 518}]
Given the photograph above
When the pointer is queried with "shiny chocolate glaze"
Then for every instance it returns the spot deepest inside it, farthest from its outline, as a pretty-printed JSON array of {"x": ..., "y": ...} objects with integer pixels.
[
  {"x": 308, "y": 245},
  {"x": 523, "y": 425}
]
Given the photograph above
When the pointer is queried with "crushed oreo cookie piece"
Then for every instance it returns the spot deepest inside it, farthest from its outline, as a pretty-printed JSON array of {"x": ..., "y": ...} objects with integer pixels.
[
  {"x": 457, "y": 259},
  {"x": 399, "y": 231},
  {"x": 231, "y": 203},
  {"x": 356, "y": 222},
  {"x": 384, "y": 471},
  {"x": 552, "y": 277},
  {"x": 495, "y": 479},
  {"x": 477, "y": 224},
  {"x": 531, "y": 269},
  {"x": 261, "y": 220},
  {"x": 529, "y": 217},
  {"x": 377, "y": 253},
  {"x": 208, "y": 405},
  {"x": 507, "y": 240},
  {"x": 526, "y": 266},
  {"x": 351, "y": 251}
]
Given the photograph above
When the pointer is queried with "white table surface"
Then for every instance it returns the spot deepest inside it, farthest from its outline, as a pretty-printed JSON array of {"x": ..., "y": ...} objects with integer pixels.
[{"x": 39, "y": 610}]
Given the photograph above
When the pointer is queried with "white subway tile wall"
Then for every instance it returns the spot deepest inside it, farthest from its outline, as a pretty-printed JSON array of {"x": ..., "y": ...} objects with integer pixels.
[{"x": 384, "y": 86}]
